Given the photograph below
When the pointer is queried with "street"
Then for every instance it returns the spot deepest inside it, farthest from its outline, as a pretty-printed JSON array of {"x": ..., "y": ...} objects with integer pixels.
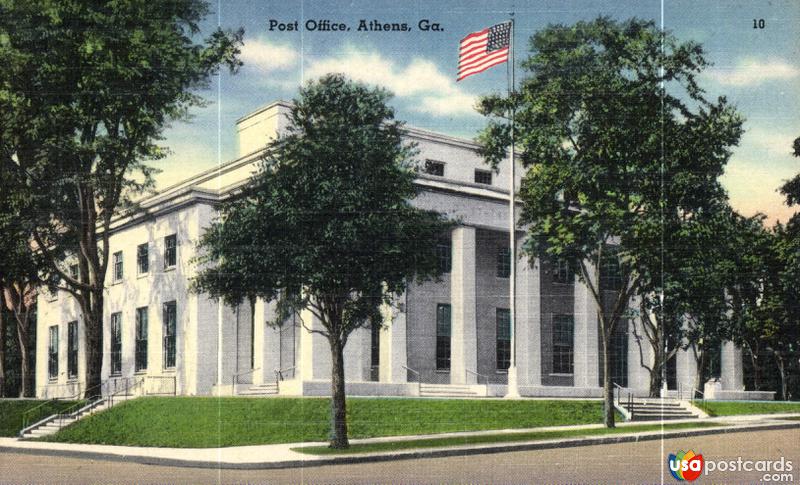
[{"x": 644, "y": 462}]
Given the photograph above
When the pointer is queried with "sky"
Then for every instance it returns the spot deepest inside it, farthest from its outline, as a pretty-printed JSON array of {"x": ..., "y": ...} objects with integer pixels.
[{"x": 757, "y": 69}]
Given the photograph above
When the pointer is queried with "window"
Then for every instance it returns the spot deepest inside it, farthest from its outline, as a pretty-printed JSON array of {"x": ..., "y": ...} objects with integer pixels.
[
  {"x": 117, "y": 262},
  {"x": 142, "y": 258},
  {"x": 562, "y": 273},
  {"x": 610, "y": 271},
  {"x": 52, "y": 353},
  {"x": 619, "y": 354},
  {"x": 140, "y": 358},
  {"x": 170, "y": 251},
  {"x": 116, "y": 343},
  {"x": 433, "y": 167},
  {"x": 503, "y": 320},
  {"x": 444, "y": 252},
  {"x": 72, "y": 349},
  {"x": 442, "y": 337},
  {"x": 170, "y": 323},
  {"x": 563, "y": 344},
  {"x": 74, "y": 272},
  {"x": 375, "y": 344},
  {"x": 503, "y": 262},
  {"x": 483, "y": 177}
]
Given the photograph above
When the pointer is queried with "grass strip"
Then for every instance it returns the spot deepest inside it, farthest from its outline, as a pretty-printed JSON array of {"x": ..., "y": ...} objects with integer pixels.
[
  {"x": 496, "y": 438},
  {"x": 733, "y": 408},
  {"x": 12, "y": 411}
]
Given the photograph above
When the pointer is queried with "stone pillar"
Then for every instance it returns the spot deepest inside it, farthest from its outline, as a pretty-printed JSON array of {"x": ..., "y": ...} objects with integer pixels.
[
  {"x": 357, "y": 355},
  {"x": 685, "y": 371},
  {"x": 586, "y": 343},
  {"x": 464, "y": 346},
  {"x": 638, "y": 376},
  {"x": 529, "y": 323},
  {"x": 731, "y": 373},
  {"x": 267, "y": 343},
  {"x": 315, "y": 352},
  {"x": 393, "y": 340}
]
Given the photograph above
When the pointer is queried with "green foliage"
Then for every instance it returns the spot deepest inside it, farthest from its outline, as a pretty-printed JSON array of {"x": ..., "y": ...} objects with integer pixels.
[
  {"x": 194, "y": 422},
  {"x": 327, "y": 222}
]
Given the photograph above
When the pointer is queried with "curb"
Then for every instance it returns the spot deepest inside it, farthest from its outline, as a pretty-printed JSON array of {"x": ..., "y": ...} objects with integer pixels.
[{"x": 403, "y": 455}]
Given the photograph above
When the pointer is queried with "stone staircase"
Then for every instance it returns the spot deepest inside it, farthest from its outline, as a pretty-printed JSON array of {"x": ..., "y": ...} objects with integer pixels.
[
  {"x": 451, "y": 390},
  {"x": 54, "y": 423},
  {"x": 657, "y": 409},
  {"x": 258, "y": 390}
]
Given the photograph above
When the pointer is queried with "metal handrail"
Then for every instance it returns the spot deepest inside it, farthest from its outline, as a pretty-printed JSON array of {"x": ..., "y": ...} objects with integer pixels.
[
  {"x": 486, "y": 380},
  {"x": 237, "y": 376},
  {"x": 279, "y": 373},
  {"x": 163, "y": 378},
  {"x": 619, "y": 390},
  {"x": 419, "y": 378},
  {"x": 27, "y": 414},
  {"x": 696, "y": 391}
]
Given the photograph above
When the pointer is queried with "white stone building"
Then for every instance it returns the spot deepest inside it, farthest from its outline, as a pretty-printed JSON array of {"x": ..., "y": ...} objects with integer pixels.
[{"x": 451, "y": 332}]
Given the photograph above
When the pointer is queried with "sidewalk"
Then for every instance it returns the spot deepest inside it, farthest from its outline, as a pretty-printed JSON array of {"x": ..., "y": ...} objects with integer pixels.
[{"x": 282, "y": 456}]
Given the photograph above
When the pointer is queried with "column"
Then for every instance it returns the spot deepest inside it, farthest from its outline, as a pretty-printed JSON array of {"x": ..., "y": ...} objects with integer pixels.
[
  {"x": 267, "y": 343},
  {"x": 686, "y": 370},
  {"x": 731, "y": 373},
  {"x": 529, "y": 323},
  {"x": 393, "y": 351},
  {"x": 638, "y": 376},
  {"x": 464, "y": 346},
  {"x": 357, "y": 355},
  {"x": 586, "y": 343},
  {"x": 315, "y": 352}
]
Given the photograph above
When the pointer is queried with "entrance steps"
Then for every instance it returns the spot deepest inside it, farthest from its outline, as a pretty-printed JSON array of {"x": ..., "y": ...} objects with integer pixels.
[
  {"x": 258, "y": 390},
  {"x": 657, "y": 409},
  {"x": 451, "y": 390}
]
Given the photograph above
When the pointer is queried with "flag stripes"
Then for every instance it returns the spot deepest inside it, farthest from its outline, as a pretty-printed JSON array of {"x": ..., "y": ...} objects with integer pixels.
[{"x": 481, "y": 50}]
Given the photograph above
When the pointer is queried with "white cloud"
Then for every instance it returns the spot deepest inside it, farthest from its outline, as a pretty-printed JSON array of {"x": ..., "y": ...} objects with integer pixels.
[
  {"x": 774, "y": 143},
  {"x": 266, "y": 56},
  {"x": 751, "y": 72},
  {"x": 420, "y": 82}
]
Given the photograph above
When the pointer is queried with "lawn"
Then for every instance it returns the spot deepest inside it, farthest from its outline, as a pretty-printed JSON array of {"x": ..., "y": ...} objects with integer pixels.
[
  {"x": 11, "y": 411},
  {"x": 497, "y": 438},
  {"x": 731, "y": 408},
  {"x": 200, "y": 422}
]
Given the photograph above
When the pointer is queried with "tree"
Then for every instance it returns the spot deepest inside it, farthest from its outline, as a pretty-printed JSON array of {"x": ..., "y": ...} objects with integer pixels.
[
  {"x": 86, "y": 91},
  {"x": 617, "y": 139},
  {"x": 326, "y": 225},
  {"x": 791, "y": 189}
]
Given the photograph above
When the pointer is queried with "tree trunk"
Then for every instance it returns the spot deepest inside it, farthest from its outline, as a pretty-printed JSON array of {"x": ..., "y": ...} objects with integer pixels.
[
  {"x": 608, "y": 390},
  {"x": 25, "y": 371},
  {"x": 2, "y": 352},
  {"x": 338, "y": 402},
  {"x": 700, "y": 357},
  {"x": 782, "y": 371},
  {"x": 93, "y": 324},
  {"x": 656, "y": 381},
  {"x": 756, "y": 376}
]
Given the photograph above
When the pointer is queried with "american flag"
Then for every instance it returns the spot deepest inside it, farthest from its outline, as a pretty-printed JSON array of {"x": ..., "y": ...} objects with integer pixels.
[{"x": 483, "y": 49}]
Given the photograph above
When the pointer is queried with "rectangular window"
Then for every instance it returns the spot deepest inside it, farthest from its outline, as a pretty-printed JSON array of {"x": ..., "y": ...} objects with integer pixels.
[
  {"x": 562, "y": 273},
  {"x": 117, "y": 265},
  {"x": 563, "y": 344},
  {"x": 503, "y": 319},
  {"x": 170, "y": 324},
  {"x": 610, "y": 271},
  {"x": 72, "y": 349},
  {"x": 141, "y": 339},
  {"x": 142, "y": 258},
  {"x": 432, "y": 167},
  {"x": 74, "y": 271},
  {"x": 170, "y": 251},
  {"x": 503, "y": 262},
  {"x": 116, "y": 343},
  {"x": 442, "y": 337},
  {"x": 444, "y": 252},
  {"x": 52, "y": 353},
  {"x": 375, "y": 344},
  {"x": 483, "y": 177}
]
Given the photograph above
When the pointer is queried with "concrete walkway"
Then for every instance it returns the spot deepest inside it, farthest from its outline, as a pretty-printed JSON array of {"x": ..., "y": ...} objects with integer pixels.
[{"x": 282, "y": 456}]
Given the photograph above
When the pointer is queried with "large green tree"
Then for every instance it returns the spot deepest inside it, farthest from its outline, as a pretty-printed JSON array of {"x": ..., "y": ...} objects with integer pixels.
[
  {"x": 618, "y": 141},
  {"x": 327, "y": 224},
  {"x": 86, "y": 90}
]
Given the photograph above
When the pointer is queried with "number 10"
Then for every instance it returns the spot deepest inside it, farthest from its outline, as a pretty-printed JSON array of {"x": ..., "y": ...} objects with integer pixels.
[{"x": 759, "y": 23}]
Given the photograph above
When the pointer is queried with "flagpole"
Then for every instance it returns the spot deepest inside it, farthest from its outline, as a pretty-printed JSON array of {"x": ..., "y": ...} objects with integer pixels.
[{"x": 513, "y": 389}]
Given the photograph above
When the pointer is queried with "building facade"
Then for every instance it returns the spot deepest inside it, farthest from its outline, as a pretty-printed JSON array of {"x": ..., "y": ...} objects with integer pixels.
[{"x": 450, "y": 332}]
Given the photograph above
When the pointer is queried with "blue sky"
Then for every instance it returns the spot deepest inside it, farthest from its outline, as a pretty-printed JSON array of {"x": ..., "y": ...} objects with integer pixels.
[{"x": 757, "y": 69}]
